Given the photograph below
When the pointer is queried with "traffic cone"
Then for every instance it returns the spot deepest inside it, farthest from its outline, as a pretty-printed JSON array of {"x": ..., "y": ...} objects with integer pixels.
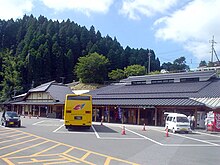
[
  {"x": 123, "y": 131},
  {"x": 144, "y": 128},
  {"x": 167, "y": 133}
]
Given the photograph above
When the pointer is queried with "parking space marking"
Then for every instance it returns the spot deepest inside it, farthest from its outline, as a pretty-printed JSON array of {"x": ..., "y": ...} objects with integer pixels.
[
  {"x": 96, "y": 133},
  {"x": 70, "y": 132},
  {"x": 7, "y": 133},
  {"x": 47, "y": 123},
  {"x": 154, "y": 141},
  {"x": 199, "y": 140},
  {"x": 23, "y": 137},
  {"x": 143, "y": 137},
  {"x": 218, "y": 141},
  {"x": 115, "y": 138},
  {"x": 32, "y": 146},
  {"x": 44, "y": 156},
  {"x": 208, "y": 134},
  {"x": 38, "y": 122},
  {"x": 58, "y": 128},
  {"x": 188, "y": 145}
]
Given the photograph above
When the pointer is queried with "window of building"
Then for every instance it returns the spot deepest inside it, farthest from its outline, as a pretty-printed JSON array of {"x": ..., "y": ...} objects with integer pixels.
[
  {"x": 196, "y": 79},
  {"x": 138, "y": 82},
  {"x": 162, "y": 81}
]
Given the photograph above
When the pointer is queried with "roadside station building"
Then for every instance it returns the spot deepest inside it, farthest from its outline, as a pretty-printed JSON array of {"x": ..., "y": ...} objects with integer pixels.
[
  {"x": 46, "y": 100},
  {"x": 135, "y": 100},
  {"x": 145, "y": 99}
]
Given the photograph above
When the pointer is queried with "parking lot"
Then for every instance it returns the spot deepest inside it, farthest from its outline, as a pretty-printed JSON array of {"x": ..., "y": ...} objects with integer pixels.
[{"x": 46, "y": 141}]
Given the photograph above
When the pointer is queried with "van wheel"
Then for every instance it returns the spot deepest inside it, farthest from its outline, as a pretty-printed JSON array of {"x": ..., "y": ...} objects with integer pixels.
[{"x": 174, "y": 130}]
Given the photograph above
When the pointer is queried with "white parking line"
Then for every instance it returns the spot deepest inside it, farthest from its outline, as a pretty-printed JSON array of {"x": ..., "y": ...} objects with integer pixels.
[
  {"x": 96, "y": 133},
  {"x": 38, "y": 122},
  {"x": 58, "y": 128},
  {"x": 74, "y": 132},
  {"x": 115, "y": 138},
  {"x": 199, "y": 140},
  {"x": 70, "y": 132},
  {"x": 209, "y": 143},
  {"x": 203, "y": 133},
  {"x": 154, "y": 141},
  {"x": 218, "y": 141},
  {"x": 188, "y": 145}
]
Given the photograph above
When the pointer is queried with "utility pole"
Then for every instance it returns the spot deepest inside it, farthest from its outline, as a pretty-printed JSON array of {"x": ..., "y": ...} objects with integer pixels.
[
  {"x": 149, "y": 54},
  {"x": 213, "y": 49}
]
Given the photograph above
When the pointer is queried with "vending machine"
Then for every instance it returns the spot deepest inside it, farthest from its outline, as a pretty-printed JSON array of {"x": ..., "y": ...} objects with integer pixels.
[{"x": 216, "y": 123}]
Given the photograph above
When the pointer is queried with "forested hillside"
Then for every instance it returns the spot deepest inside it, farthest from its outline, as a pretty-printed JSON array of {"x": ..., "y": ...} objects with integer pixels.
[{"x": 38, "y": 50}]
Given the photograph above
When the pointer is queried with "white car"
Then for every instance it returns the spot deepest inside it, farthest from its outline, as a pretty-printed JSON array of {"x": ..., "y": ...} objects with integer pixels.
[{"x": 177, "y": 122}]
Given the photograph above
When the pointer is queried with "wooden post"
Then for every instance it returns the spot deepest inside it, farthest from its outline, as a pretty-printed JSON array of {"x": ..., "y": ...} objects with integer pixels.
[
  {"x": 108, "y": 115},
  {"x": 195, "y": 118},
  {"x": 138, "y": 122},
  {"x": 39, "y": 111},
  {"x": 95, "y": 113}
]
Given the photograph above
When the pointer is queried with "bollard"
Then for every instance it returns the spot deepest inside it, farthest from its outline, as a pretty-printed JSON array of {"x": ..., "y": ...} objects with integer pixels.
[
  {"x": 144, "y": 129},
  {"x": 123, "y": 131},
  {"x": 167, "y": 133}
]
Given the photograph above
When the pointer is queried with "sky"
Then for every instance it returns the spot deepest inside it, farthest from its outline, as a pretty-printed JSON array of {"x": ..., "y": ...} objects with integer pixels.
[{"x": 172, "y": 28}]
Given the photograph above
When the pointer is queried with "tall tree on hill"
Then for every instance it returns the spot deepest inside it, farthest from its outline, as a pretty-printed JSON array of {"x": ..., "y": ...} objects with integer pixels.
[
  {"x": 47, "y": 50},
  {"x": 134, "y": 70},
  {"x": 10, "y": 75},
  {"x": 178, "y": 64},
  {"x": 92, "y": 68}
]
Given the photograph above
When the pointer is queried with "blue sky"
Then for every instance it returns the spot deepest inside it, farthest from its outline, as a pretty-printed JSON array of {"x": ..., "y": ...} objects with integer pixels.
[{"x": 172, "y": 28}]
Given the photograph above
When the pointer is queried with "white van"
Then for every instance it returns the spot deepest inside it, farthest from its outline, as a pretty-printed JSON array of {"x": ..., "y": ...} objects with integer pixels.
[{"x": 177, "y": 122}]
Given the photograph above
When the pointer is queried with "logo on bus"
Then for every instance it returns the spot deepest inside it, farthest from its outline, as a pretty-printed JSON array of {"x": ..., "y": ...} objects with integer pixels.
[{"x": 79, "y": 107}]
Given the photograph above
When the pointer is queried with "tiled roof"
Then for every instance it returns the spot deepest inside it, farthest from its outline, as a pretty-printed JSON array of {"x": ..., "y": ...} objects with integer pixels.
[
  {"x": 59, "y": 91},
  {"x": 42, "y": 87},
  {"x": 210, "y": 102},
  {"x": 173, "y": 90},
  {"x": 149, "y": 102},
  {"x": 56, "y": 90},
  {"x": 156, "y": 94},
  {"x": 203, "y": 76}
]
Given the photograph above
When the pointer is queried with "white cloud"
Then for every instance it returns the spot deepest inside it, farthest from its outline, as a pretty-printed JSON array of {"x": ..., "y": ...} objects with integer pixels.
[
  {"x": 14, "y": 8},
  {"x": 84, "y": 6},
  {"x": 192, "y": 26},
  {"x": 134, "y": 8}
]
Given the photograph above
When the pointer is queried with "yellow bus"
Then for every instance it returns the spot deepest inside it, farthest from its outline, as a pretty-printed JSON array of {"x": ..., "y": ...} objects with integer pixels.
[{"x": 78, "y": 111}]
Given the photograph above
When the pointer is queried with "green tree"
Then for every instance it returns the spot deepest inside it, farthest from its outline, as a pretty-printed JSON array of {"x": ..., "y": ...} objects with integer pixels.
[
  {"x": 117, "y": 74},
  {"x": 178, "y": 64},
  {"x": 134, "y": 70},
  {"x": 202, "y": 63},
  {"x": 92, "y": 68},
  {"x": 10, "y": 75}
]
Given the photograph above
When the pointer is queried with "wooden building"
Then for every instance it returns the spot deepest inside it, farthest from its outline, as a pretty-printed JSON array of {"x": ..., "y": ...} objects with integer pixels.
[{"x": 145, "y": 99}]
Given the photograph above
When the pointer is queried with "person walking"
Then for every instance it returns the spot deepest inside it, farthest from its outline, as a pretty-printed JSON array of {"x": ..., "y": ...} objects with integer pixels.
[
  {"x": 193, "y": 122},
  {"x": 190, "y": 120}
]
